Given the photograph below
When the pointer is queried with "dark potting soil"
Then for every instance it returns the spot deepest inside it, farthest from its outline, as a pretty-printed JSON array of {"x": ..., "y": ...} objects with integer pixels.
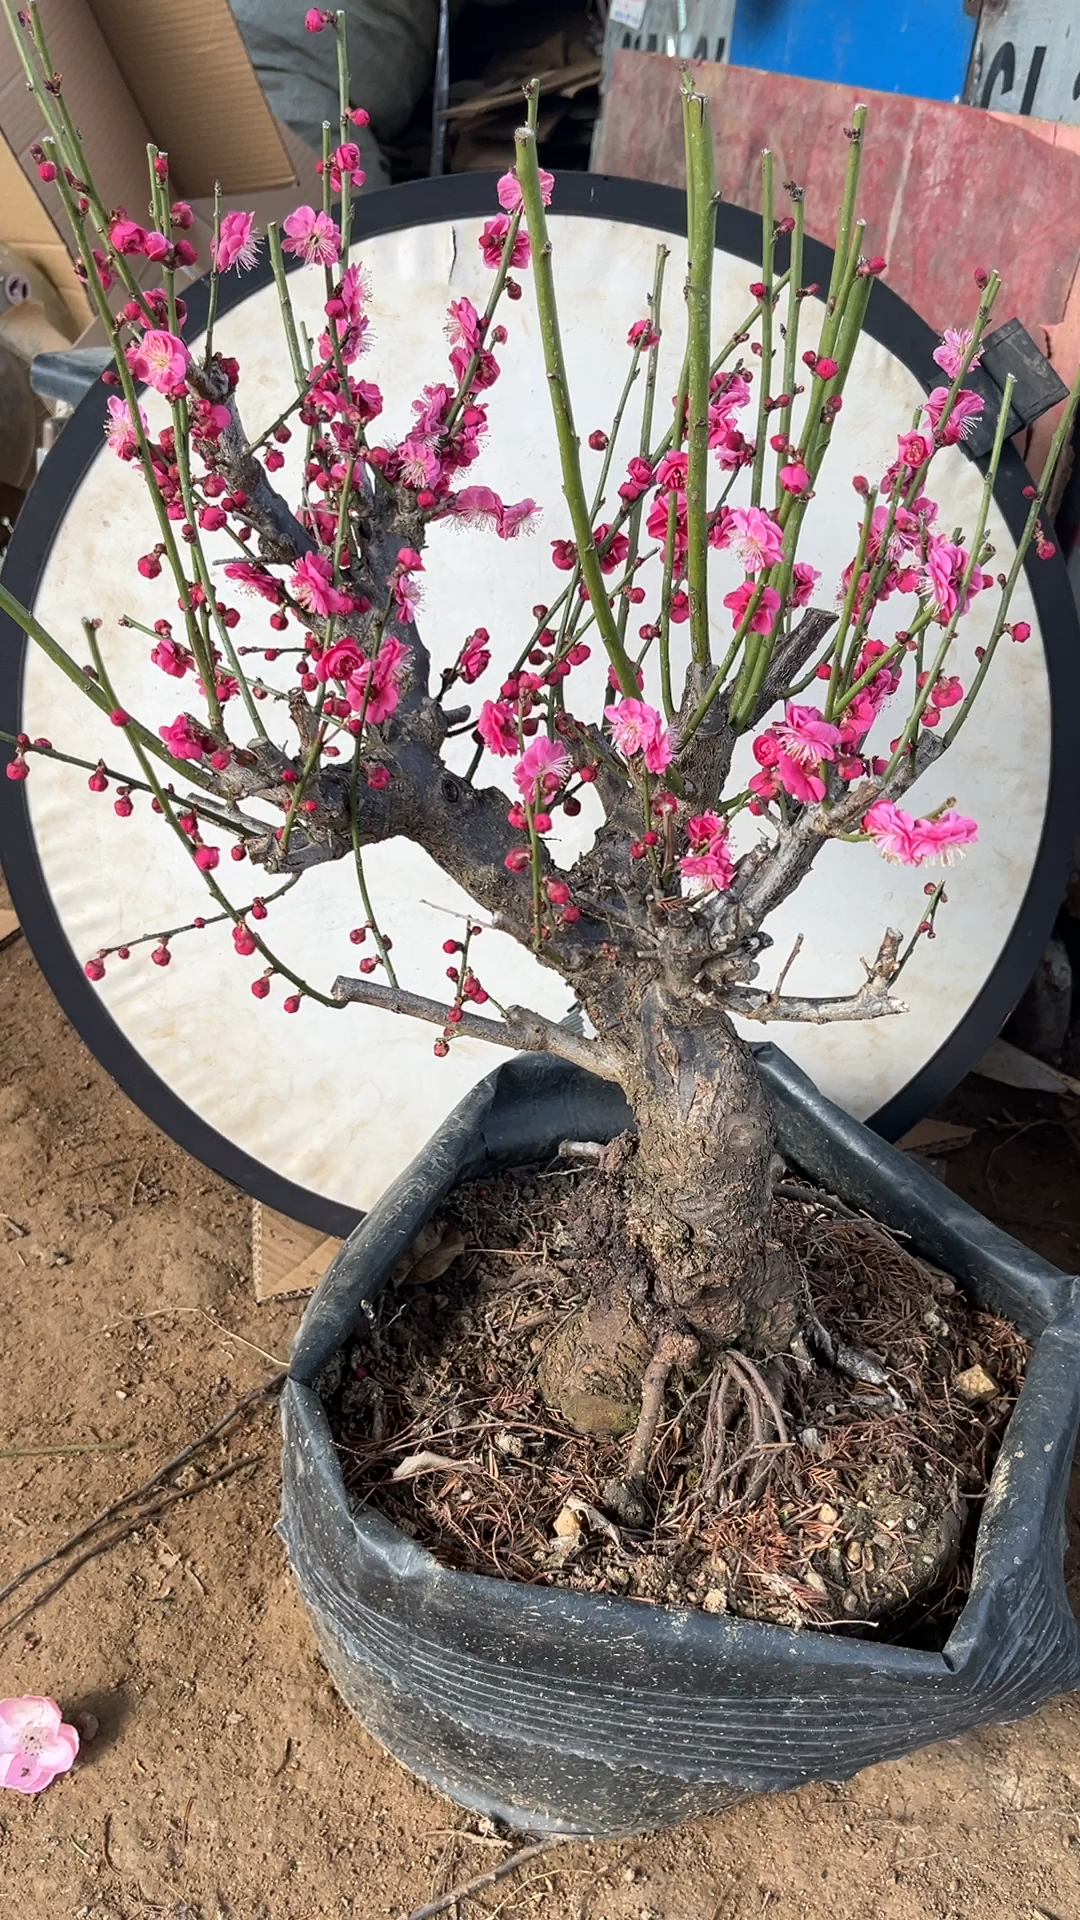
[{"x": 858, "y": 1513}]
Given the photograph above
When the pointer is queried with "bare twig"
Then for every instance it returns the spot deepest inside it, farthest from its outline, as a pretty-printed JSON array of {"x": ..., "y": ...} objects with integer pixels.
[
  {"x": 489, "y": 1879},
  {"x": 120, "y": 1533},
  {"x": 523, "y": 1030},
  {"x": 137, "y": 1493},
  {"x": 870, "y": 1002}
]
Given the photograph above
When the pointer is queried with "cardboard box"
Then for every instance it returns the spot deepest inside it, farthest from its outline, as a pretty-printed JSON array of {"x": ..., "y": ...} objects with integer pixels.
[
  {"x": 287, "y": 1258},
  {"x": 174, "y": 72}
]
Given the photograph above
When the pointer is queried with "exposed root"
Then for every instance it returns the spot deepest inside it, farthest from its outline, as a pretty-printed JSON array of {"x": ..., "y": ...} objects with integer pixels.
[
  {"x": 737, "y": 1384},
  {"x": 792, "y": 1488},
  {"x": 625, "y": 1495}
]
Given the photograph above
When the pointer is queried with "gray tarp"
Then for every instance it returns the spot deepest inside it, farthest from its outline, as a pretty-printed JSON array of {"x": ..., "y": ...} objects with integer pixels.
[{"x": 392, "y": 56}]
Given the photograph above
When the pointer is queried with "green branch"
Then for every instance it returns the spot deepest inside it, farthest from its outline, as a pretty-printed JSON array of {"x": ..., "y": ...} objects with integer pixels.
[
  {"x": 701, "y": 238},
  {"x": 528, "y": 174}
]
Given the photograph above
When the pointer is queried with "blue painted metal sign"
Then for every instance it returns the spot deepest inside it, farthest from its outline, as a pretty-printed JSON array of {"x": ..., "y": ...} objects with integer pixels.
[{"x": 913, "y": 46}]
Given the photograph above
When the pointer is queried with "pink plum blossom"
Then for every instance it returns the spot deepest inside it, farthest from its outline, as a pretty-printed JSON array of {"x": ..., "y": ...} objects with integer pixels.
[
  {"x": 375, "y": 686},
  {"x": 710, "y": 859},
  {"x": 509, "y": 190},
  {"x": 794, "y": 478},
  {"x": 420, "y": 464},
  {"x": 704, "y": 827},
  {"x": 407, "y": 590},
  {"x": 914, "y": 449},
  {"x": 247, "y": 574},
  {"x": 638, "y": 478},
  {"x": 612, "y": 548},
  {"x": 804, "y": 739},
  {"x": 340, "y": 660},
  {"x": 672, "y": 470},
  {"x": 949, "y": 356},
  {"x": 160, "y": 359},
  {"x": 35, "y": 1743},
  {"x": 463, "y": 325},
  {"x": 127, "y": 236},
  {"x": 966, "y": 407},
  {"x": 120, "y": 428},
  {"x": 171, "y": 659},
  {"x": 805, "y": 578},
  {"x": 312, "y": 237},
  {"x": 642, "y": 335},
  {"x": 495, "y": 725},
  {"x": 345, "y": 165},
  {"x": 714, "y": 867},
  {"x": 945, "y": 837},
  {"x": 352, "y": 294},
  {"x": 544, "y": 763},
  {"x": 476, "y": 506},
  {"x": 237, "y": 245},
  {"x": 917, "y": 843},
  {"x": 482, "y": 507},
  {"x": 943, "y": 576},
  {"x": 764, "y": 613},
  {"x": 182, "y": 740},
  {"x": 313, "y": 585},
  {"x": 638, "y": 728},
  {"x": 805, "y": 735},
  {"x": 518, "y": 516},
  {"x": 493, "y": 240},
  {"x": 475, "y": 656},
  {"x": 755, "y": 537}
]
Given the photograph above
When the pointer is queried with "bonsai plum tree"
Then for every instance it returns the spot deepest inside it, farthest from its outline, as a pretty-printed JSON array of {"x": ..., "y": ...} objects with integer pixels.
[{"x": 659, "y": 927}]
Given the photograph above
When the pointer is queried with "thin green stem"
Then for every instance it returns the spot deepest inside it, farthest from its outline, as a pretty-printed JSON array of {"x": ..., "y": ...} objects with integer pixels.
[
  {"x": 344, "y": 104},
  {"x": 701, "y": 179},
  {"x": 648, "y": 405},
  {"x": 34, "y": 630},
  {"x": 666, "y": 694},
  {"x": 794, "y": 315},
  {"x": 569, "y": 450},
  {"x": 358, "y": 860},
  {"x": 609, "y": 450},
  {"x": 768, "y": 247},
  {"x": 288, "y": 318},
  {"x": 215, "y": 276},
  {"x": 838, "y": 675},
  {"x": 758, "y": 656},
  {"x": 847, "y": 204}
]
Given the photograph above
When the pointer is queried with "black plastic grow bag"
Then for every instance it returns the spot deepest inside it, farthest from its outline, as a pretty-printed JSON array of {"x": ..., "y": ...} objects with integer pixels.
[{"x": 560, "y": 1712}]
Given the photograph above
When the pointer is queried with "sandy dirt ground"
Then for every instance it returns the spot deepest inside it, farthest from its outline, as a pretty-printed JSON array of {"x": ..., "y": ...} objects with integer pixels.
[{"x": 227, "y": 1781}]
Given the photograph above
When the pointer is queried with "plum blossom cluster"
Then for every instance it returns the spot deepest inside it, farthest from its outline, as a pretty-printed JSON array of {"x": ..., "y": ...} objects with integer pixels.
[{"x": 681, "y": 617}]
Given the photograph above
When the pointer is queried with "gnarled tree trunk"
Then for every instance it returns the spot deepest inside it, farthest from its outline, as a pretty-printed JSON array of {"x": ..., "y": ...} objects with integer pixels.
[
  {"x": 700, "y": 1181},
  {"x": 686, "y": 1214}
]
